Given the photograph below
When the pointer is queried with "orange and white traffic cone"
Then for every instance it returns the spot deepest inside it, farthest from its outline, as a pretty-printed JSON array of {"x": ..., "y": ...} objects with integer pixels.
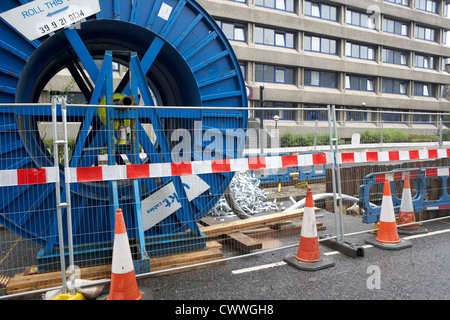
[
  {"x": 406, "y": 215},
  {"x": 387, "y": 233},
  {"x": 308, "y": 256},
  {"x": 123, "y": 279}
]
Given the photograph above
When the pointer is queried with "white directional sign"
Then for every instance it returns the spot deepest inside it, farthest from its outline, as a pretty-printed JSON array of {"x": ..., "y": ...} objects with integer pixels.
[
  {"x": 165, "y": 201},
  {"x": 40, "y": 17}
]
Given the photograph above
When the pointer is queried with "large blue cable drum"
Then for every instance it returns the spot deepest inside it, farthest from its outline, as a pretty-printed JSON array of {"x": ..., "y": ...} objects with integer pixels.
[{"x": 194, "y": 66}]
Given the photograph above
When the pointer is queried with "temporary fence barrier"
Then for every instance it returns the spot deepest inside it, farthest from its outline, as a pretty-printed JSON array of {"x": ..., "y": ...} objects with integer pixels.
[{"x": 95, "y": 247}]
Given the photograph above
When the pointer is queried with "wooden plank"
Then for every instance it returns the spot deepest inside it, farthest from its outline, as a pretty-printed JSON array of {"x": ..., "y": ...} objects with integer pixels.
[
  {"x": 209, "y": 255},
  {"x": 237, "y": 240},
  {"x": 269, "y": 232},
  {"x": 167, "y": 262},
  {"x": 251, "y": 223},
  {"x": 21, "y": 283},
  {"x": 242, "y": 242}
]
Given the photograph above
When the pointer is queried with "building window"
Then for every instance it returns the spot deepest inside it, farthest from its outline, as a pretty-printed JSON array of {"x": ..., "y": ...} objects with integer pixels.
[
  {"x": 283, "y": 114},
  {"x": 323, "y": 79},
  {"x": 393, "y": 117},
  {"x": 422, "y": 118},
  {"x": 268, "y": 73},
  {"x": 360, "y": 19},
  {"x": 319, "y": 115},
  {"x": 400, "y": 2},
  {"x": 271, "y": 37},
  {"x": 445, "y": 61},
  {"x": 395, "y": 57},
  {"x": 233, "y": 31},
  {"x": 359, "y": 51},
  {"x": 426, "y": 62},
  {"x": 425, "y": 33},
  {"x": 394, "y": 86},
  {"x": 424, "y": 89},
  {"x": 318, "y": 44},
  {"x": 320, "y": 10},
  {"x": 360, "y": 83},
  {"x": 395, "y": 27},
  {"x": 427, "y": 5},
  {"x": 243, "y": 67},
  {"x": 356, "y": 115},
  {"x": 284, "y": 5}
]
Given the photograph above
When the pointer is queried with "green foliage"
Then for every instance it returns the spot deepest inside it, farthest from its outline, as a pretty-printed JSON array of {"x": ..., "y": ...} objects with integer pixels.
[
  {"x": 368, "y": 136},
  {"x": 303, "y": 140},
  {"x": 446, "y": 135},
  {"x": 396, "y": 136},
  {"x": 48, "y": 143}
]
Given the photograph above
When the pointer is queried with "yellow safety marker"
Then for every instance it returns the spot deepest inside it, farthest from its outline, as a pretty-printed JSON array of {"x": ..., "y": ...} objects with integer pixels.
[
  {"x": 69, "y": 296},
  {"x": 33, "y": 270},
  {"x": 376, "y": 226},
  {"x": 303, "y": 184},
  {"x": 4, "y": 281}
]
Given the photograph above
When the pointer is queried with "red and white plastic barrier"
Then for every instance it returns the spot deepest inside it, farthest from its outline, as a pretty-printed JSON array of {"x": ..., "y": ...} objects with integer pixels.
[
  {"x": 23, "y": 177},
  {"x": 383, "y": 156},
  {"x": 154, "y": 170}
]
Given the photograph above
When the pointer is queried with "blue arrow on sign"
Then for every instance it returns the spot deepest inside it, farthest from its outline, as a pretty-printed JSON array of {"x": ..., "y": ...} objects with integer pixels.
[{"x": 50, "y": 14}]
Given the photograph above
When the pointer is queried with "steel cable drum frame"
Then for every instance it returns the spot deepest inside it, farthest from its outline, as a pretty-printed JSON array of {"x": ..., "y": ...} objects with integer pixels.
[{"x": 190, "y": 63}]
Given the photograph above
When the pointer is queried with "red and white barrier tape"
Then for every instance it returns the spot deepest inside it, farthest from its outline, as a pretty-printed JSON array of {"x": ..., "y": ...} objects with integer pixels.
[
  {"x": 382, "y": 156},
  {"x": 23, "y": 177},
  {"x": 154, "y": 170},
  {"x": 399, "y": 176}
]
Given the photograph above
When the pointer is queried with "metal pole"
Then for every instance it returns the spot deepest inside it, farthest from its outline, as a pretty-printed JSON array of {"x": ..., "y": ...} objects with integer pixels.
[
  {"x": 440, "y": 131},
  {"x": 261, "y": 114},
  {"x": 338, "y": 175},
  {"x": 381, "y": 138},
  {"x": 68, "y": 204},
  {"x": 333, "y": 172},
  {"x": 316, "y": 132},
  {"x": 58, "y": 196}
]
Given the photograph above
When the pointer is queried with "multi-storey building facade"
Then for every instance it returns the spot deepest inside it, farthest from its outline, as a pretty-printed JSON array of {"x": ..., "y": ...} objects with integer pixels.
[{"x": 360, "y": 55}]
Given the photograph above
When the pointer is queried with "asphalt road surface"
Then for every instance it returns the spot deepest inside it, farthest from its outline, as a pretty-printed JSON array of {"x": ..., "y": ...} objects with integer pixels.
[{"x": 421, "y": 272}]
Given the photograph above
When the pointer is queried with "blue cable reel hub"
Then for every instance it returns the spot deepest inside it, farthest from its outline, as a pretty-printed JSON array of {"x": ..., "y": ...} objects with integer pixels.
[{"x": 177, "y": 56}]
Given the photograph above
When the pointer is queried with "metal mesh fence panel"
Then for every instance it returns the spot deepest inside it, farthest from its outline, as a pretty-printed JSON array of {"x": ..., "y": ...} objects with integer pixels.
[{"x": 195, "y": 193}]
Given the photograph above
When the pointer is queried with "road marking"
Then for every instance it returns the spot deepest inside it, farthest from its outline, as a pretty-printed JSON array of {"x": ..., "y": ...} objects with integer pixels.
[
  {"x": 282, "y": 263},
  {"x": 426, "y": 234},
  {"x": 266, "y": 266}
]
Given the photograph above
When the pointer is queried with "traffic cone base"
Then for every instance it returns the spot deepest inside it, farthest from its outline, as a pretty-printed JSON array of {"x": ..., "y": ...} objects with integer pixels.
[
  {"x": 411, "y": 232},
  {"x": 403, "y": 244},
  {"x": 323, "y": 263}
]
